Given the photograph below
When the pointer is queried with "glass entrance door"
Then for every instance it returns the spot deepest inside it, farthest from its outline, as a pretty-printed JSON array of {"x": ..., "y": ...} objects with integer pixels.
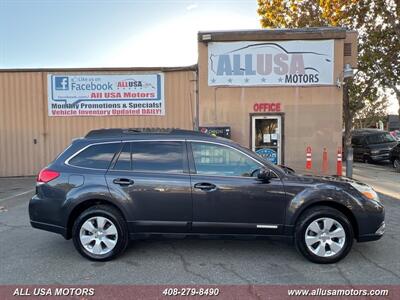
[{"x": 266, "y": 137}]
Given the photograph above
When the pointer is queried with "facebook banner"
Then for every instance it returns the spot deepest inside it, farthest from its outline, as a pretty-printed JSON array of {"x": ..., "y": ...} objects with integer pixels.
[{"x": 105, "y": 95}]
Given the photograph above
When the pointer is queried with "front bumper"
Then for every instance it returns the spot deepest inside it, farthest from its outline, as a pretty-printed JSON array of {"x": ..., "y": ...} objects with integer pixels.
[
  {"x": 374, "y": 236},
  {"x": 380, "y": 157}
]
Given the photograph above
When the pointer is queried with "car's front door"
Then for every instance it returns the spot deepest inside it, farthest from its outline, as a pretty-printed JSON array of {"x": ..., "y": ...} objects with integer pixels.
[
  {"x": 227, "y": 197},
  {"x": 153, "y": 176}
]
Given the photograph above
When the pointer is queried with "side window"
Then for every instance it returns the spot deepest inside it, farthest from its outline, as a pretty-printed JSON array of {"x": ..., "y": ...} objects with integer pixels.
[
  {"x": 165, "y": 157},
  {"x": 124, "y": 159},
  {"x": 211, "y": 159},
  {"x": 356, "y": 140},
  {"x": 96, "y": 156}
]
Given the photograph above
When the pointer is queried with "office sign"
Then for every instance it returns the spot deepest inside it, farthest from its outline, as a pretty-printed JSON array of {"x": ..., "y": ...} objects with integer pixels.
[
  {"x": 287, "y": 63},
  {"x": 106, "y": 95}
]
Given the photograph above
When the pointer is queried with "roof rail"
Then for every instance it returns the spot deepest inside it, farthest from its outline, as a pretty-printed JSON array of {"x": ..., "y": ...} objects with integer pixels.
[{"x": 123, "y": 132}]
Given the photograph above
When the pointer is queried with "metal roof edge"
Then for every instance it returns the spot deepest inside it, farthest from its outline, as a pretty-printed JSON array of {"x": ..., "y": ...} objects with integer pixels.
[
  {"x": 274, "y": 34},
  {"x": 107, "y": 69}
]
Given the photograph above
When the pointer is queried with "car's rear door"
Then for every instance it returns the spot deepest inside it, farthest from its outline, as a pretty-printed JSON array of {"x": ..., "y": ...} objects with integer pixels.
[{"x": 153, "y": 177}]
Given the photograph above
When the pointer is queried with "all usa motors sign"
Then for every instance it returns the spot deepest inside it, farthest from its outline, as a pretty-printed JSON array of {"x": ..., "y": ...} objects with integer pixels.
[
  {"x": 106, "y": 95},
  {"x": 271, "y": 63}
]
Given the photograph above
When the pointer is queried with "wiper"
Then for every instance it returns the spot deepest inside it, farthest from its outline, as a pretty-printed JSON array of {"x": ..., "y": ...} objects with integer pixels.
[{"x": 287, "y": 169}]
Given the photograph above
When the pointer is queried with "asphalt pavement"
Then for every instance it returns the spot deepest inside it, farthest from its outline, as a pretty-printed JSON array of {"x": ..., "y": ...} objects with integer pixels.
[
  {"x": 32, "y": 256},
  {"x": 382, "y": 176}
]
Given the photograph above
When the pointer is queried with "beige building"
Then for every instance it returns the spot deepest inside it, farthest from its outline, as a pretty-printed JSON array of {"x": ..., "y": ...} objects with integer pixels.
[{"x": 275, "y": 91}]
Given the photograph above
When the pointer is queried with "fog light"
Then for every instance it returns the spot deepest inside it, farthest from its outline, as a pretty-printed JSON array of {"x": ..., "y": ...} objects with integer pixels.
[{"x": 381, "y": 229}]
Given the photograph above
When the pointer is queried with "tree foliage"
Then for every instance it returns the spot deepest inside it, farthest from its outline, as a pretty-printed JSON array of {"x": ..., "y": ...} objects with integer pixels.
[
  {"x": 378, "y": 25},
  {"x": 371, "y": 113},
  {"x": 305, "y": 13}
]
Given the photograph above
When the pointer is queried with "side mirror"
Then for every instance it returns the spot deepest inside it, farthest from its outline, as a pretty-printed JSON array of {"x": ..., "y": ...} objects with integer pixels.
[{"x": 264, "y": 174}]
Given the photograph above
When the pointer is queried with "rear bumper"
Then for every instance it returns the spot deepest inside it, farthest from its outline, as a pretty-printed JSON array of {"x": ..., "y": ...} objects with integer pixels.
[
  {"x": 44, "y": 214},
  {"x": 49, "y": 227}
]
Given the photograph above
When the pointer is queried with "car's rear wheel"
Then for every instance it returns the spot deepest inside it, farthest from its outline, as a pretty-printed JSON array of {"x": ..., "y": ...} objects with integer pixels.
[
  {"x": 100, "y": 233},
  {"x": 396, "y": 164},
  {"x": 324, "y": 235}
]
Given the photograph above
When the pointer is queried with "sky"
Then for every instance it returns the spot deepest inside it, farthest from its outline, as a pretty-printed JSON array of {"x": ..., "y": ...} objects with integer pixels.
[
  {"x": 90, "y": 33},
  {"x": 115, "y": 33}
]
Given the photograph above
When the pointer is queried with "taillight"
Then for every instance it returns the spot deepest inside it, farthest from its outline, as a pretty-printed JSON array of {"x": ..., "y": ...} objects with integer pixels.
[{"x": 47, "y": 175}]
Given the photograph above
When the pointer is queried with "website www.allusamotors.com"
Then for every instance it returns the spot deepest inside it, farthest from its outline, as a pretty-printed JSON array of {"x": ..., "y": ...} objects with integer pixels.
[{"x": 338, "y": 292}]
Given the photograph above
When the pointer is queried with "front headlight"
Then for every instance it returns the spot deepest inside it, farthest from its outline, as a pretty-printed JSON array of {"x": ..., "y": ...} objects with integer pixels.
[
  {"x": 375, "y": 151},
  {"x": 366, "y": 190}
]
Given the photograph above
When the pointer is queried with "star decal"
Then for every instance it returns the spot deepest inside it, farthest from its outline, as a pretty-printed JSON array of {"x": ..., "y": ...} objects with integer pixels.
[
  {"x": 230, "y": 80},
  {"x": 246, "y": 80},
  {"x": 213, "y": 80},
  {"x": 280, "y": 79},
  {"x": 263, "y": 79}
]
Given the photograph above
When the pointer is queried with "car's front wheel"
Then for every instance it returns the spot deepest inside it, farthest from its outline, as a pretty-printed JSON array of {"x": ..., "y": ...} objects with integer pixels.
[
  {"x": 396, "y": 164},
  {"x": 324, "y": 235},
  {"x": 100, "y": 233}
]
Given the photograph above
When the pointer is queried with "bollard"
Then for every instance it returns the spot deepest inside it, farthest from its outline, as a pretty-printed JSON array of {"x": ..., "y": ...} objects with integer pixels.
[
  {"x": 308, "y": 158},
  {"x": 325, "y": 165},
  {"x": 349, "y": 162}
]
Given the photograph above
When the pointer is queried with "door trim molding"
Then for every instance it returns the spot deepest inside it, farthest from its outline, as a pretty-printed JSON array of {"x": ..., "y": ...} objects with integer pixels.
[
  {"x": 234, "y": 225},
  {"x": 265, "y": 226}
]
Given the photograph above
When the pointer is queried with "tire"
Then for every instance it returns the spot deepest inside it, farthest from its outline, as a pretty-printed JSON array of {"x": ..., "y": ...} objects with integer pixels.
[
  {"x": 396, "y": 164},
  {"x": 367, "y": 159},
  {"x": 100, "y": 233},
  {"x": 336, "y": 247}
]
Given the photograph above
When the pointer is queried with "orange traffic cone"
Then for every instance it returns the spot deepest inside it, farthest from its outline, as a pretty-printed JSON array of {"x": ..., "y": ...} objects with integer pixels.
[{"x": 339, "y": 166}]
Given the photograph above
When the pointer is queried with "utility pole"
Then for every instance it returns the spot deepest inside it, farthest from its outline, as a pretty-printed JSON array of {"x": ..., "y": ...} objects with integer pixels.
[{"x": 347, "y": 77}]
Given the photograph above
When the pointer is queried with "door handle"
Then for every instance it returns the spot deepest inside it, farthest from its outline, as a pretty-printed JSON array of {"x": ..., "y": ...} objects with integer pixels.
[
  {"x": 205, "y": 186},
  {"x": 123, "y": 181}
]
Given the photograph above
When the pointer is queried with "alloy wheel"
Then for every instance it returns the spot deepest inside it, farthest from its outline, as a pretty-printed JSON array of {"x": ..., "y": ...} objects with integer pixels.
[
  {"x": 396, "y": 164},
  {"x": 98, "y": 235},
  {"x": 325, "y": 237}
]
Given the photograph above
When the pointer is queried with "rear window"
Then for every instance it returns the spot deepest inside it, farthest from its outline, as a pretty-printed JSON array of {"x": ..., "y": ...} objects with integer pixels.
[
  {"x": 96, "y": 156},
  {"x": 380, "y": 138},
  {"x": 158, "y": 156}
]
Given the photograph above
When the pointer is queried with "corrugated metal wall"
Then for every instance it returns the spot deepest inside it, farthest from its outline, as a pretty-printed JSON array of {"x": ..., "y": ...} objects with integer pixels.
[{"x": 29, "y": 139}]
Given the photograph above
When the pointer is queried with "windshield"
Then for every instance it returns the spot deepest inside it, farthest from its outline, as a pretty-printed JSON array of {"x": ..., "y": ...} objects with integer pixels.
[{"x": 380, "y": 138}]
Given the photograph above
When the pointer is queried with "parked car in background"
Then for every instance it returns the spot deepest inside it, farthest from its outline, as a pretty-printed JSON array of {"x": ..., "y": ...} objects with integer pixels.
[
  {"x": 372, "y": 145},
  {"x": 120, "y": 184},
  {"x": 395, "y": 157}
]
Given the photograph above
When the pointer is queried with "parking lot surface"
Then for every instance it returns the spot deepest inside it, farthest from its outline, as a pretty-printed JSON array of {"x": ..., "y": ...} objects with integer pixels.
[
  {"x": 382, "y": 176},
  {"x": 31, "y": 256}
]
